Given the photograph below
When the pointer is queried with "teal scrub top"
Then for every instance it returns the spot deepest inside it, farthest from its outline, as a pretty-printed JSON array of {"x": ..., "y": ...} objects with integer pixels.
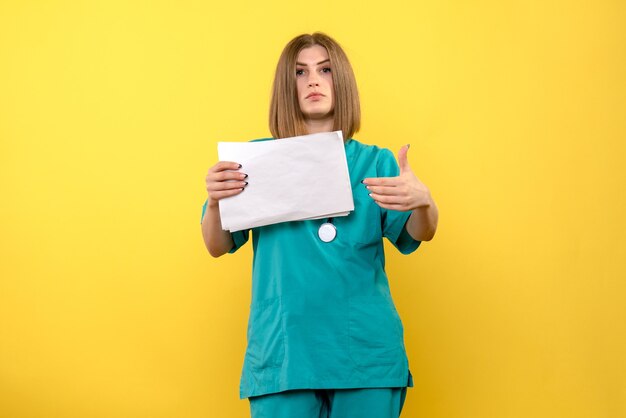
[{"x": 322, "y": 316}]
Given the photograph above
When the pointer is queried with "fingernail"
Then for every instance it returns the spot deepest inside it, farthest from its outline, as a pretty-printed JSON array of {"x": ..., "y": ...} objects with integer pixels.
[
  {"x": 246, "y": 182},
  {"x": 239, "y": 165},
  {"x": 363, "y": 181},
  {"x": 242, "y": 189},
  {"x": 245, "y": 177}
]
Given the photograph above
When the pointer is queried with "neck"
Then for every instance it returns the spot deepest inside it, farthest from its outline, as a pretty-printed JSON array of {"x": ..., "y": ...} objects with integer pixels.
[{"x": 315, "y": 126}]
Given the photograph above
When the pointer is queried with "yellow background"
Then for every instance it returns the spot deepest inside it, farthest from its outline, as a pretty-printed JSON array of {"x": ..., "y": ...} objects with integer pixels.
[{"x": 110, "y": 112}]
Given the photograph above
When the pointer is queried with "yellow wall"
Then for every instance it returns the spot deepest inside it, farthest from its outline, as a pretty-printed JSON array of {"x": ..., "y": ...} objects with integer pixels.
[{"x": 109, "y": 116}]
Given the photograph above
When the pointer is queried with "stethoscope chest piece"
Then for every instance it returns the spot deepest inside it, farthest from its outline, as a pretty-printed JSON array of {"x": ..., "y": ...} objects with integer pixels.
[{"x": 327, "y": 232}]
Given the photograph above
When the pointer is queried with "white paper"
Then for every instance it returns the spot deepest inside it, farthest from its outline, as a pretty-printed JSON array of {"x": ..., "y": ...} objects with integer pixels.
[{"x": 289, "y": 179}]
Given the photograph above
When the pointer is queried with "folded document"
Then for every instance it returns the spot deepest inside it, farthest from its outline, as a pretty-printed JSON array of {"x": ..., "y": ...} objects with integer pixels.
[{"x": 289, "y": 179}]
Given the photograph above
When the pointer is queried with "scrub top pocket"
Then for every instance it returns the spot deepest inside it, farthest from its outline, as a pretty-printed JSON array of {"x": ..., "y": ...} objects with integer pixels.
[
  {"x": 266, "y": 337},
  {"x": 376, "y": 334},
  {"x": 363, "y": 225}
]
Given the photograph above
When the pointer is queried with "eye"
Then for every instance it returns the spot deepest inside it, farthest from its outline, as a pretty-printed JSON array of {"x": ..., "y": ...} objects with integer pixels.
[
  {"x": 326, "y": 70},
  {"x": 299, "y": 72}
]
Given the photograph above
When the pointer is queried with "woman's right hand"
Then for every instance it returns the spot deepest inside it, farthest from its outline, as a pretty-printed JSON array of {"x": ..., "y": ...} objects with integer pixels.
[{"x": 224, "y": 180}]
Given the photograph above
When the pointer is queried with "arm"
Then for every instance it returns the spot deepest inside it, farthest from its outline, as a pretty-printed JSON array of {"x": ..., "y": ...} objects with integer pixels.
[
  {"x": 407, "y": 193},
  {"x": 422, "y": 223},
  {"x": 216, "y": 240},
  {"x": 221, "y": 181}
]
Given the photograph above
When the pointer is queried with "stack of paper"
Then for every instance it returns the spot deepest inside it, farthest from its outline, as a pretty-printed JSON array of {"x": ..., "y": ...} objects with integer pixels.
[{"x": 289, "y": 179}]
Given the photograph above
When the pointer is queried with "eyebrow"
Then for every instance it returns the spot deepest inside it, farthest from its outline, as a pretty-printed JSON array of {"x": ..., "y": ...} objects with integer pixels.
[{"x": 321, "y": 62}]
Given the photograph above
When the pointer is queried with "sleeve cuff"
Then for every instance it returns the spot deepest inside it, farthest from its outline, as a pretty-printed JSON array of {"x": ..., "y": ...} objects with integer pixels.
[
  {"x": 239, "y": 238},
  {"x": 399, "y": 236}
]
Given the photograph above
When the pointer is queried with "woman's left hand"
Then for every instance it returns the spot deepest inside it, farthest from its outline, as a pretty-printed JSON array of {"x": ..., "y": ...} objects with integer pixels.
[{"x": 404, "y": 192}]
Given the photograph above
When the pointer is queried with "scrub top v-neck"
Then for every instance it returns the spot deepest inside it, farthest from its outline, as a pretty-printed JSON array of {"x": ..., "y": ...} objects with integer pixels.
[{"x": 322, "y": 316}]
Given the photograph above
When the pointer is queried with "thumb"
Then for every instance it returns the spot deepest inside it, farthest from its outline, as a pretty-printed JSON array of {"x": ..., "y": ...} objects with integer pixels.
[{"x": 403, "y": 161}]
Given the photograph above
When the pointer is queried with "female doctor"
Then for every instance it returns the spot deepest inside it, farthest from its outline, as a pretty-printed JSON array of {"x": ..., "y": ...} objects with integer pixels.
[{"x": 324, "y": 337}]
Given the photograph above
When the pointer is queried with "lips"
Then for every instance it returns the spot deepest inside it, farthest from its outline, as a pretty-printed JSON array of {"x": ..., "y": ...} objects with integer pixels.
[{"x": 314, "y": 95}]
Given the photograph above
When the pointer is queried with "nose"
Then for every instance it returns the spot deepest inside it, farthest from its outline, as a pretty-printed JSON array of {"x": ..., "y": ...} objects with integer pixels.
[{"x": 313, "y": 80}]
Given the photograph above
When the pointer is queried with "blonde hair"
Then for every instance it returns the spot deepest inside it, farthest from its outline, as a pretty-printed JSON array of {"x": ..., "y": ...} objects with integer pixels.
[{"x": 286, "y": 118}]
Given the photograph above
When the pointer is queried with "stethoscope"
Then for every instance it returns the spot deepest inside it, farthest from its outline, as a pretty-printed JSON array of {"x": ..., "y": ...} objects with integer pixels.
[{"x": 327, "y": 231}]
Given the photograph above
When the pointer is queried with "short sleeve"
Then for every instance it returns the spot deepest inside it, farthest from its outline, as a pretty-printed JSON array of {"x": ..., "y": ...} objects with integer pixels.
[
  {"x": 393, "y": 221},
  {"x": 239, "y": 237}
]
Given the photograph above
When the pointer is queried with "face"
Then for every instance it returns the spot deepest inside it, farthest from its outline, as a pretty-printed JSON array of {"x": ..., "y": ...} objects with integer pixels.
[{"x": 314, "y": 81}]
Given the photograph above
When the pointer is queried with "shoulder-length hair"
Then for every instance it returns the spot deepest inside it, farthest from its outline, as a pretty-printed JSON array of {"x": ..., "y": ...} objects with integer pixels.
[{"x": 286, "y": 118}]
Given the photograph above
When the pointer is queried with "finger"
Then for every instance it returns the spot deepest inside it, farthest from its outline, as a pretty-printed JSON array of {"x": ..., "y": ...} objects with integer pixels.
[
  {"x": 394, "y": 199},
  {"x": 225, "y": 165},
  {"x": 403, "y": 161},
  {"x": 400, "y": 208},
  {"x": 384, "y": 190},
  {"x": 226, "y": 175},
  {"x": 226, "y": 185},
  {"x": 226, "y": 193},
  {"x": 381, "y": 181}
]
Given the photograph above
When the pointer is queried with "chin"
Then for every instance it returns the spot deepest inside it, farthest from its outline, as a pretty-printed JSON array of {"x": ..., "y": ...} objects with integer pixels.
[{"x": 318, "y": 114}]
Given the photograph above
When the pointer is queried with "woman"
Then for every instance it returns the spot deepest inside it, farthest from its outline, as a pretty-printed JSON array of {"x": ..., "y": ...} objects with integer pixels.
[{"x": 324, "y": 337}]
